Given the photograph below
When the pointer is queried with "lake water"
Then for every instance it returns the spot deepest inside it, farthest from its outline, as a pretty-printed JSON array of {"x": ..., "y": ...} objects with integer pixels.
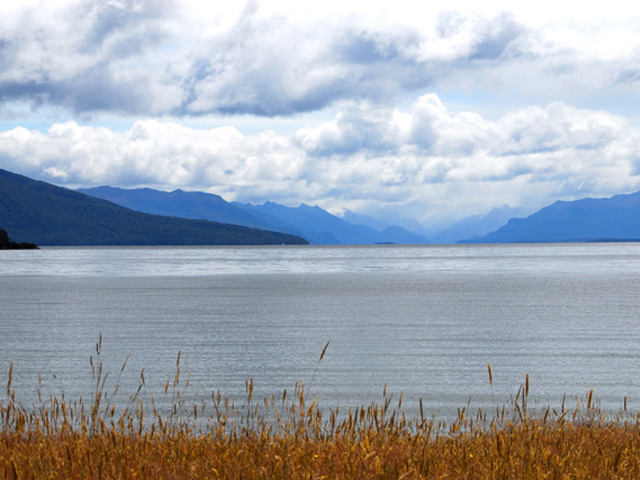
[{"x": 424, "y": 320}]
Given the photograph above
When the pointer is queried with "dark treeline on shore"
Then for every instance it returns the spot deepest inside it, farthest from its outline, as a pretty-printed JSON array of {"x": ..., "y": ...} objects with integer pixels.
[{"x": 7, "y": 244}]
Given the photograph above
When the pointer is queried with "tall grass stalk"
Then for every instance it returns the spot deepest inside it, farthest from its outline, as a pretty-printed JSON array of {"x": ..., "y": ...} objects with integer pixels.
[{"x": 211, "y": 436}]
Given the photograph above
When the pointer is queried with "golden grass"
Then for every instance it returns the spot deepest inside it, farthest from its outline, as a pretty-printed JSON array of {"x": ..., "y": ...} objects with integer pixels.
[{"x": 290, "y": 437}]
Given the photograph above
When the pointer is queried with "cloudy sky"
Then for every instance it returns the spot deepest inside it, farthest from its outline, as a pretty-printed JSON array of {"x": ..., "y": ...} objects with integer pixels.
[{"x": 385, "y": 108}]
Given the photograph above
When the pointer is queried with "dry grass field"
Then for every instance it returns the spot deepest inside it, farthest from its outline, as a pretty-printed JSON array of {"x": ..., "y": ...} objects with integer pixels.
[{"x": 290, "y": 437}]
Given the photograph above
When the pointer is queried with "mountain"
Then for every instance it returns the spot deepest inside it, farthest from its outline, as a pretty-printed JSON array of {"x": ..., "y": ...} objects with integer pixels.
[
  {"x": 194, "y": 205},
  {"x": 317, "y": 223},
  {"x": 284, "y": 220},
  {"x": 478, "y": 225},
  {"x": 178, "y": 203},
  {"x": 590, "y": 219},
  {"x": 42, "y": 213},
  {"x": 397, "y": 234},
  {"x": 358, "y": 219},
  {"x": 319, "y": 226},
  {"x": 313, "y": 223}
]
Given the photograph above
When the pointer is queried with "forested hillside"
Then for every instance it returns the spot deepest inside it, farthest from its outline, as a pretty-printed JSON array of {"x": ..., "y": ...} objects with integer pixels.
[{"x": 39, "y": 212}]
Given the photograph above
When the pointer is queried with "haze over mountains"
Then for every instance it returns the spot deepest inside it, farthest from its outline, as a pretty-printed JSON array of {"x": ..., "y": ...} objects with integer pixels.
[
  {"x": 613, "y": 219},
  {"x": 34, "y": 211},
  {"x": 478, "y": 225},
  {"x": 312, "y": 223}
]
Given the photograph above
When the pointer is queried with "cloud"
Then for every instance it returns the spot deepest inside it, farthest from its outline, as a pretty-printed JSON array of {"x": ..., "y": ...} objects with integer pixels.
[
  {"x": 422, "y": 161},
  {"x": 144, "y": 57},
  {"x": 84, "y": 56},
  {"x": 524, "y": 110},
  {"x": 269, "y": 66}
]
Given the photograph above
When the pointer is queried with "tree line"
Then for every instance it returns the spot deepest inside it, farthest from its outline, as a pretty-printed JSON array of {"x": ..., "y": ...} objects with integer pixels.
[{"x": 7, "y": 244}]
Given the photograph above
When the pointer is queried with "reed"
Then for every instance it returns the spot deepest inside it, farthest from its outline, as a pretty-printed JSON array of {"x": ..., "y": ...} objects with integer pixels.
[{"x": 290, "y": 436}]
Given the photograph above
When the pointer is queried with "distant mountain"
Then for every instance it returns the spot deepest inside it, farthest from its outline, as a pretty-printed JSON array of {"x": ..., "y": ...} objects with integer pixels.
[
  {"x": 319, "y": 226},
  {"x": 617, "y": 218},
  {"x": 313, "y": 223},
  {"x": 412, "y": 225},
  {"x": 397, "y": 234},
  {"x": 194, "y": 205},
  {"x": 282, "y": 219},
  {"x": 590, "y": 219},
  {"x": 178, "y": 203},
  {"x": 358, "y": 219},
  {"x": 478, "y": 225},
  {"x": 39, "y": 212}
]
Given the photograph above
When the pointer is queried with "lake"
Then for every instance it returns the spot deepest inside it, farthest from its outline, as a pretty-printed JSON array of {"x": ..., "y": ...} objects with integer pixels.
[{"x": 424, "y": 320}]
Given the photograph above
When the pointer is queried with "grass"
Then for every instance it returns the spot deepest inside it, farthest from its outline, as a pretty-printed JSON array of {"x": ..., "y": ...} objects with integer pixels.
[{"x": 290, "y": 437}]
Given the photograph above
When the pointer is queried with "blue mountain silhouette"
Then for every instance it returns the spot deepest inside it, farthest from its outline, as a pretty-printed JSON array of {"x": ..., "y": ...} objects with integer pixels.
[{"x": 587, "y": 220}]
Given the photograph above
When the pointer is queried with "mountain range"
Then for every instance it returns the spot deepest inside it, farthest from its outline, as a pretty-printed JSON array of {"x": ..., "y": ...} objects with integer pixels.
[
  {"x": 604, "y": 219},
  {"x": 478, "y": 225},
  {"x": 586, "y": 220},
  {"x": 38, "y": 212},
  {"x": 312, "y": 223},
  {"x": 34, "y": 211}
]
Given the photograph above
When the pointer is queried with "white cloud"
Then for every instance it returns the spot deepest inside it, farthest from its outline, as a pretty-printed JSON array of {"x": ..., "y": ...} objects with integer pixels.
[
  {"x": 555, "y": 85},
  {"x": 422, "y": 161},
  {"x": 279, "y": 58},
  {"x": 87, "y": 56}
]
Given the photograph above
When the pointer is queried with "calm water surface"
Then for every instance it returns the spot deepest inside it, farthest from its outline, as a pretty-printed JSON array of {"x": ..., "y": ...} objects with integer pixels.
[{"x": 424, "y": 320}]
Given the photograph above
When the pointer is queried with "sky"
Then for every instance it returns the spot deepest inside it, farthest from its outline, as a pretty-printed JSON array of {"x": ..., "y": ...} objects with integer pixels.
[{"x": 390, "y": 109}]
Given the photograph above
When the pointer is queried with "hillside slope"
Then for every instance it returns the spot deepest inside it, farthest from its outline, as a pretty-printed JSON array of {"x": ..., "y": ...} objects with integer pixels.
[
  {"x": 178, "y": 203},
  {"x": 42, "y": 213}
]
